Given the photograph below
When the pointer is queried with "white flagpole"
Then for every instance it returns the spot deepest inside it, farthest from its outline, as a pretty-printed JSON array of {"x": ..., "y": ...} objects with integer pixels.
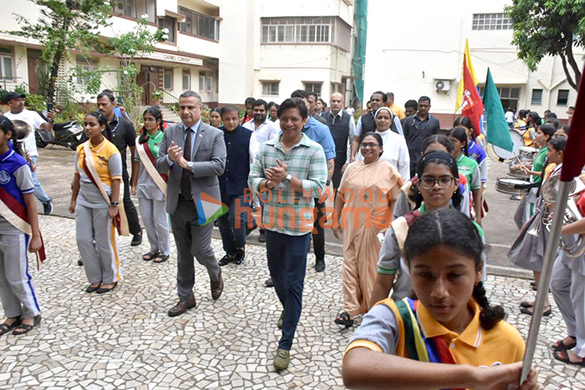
[{"x": 550, "y": 254}]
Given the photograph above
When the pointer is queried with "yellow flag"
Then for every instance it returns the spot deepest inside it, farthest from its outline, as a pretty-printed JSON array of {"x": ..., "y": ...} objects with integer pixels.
[{"x": 466, "y": 57}]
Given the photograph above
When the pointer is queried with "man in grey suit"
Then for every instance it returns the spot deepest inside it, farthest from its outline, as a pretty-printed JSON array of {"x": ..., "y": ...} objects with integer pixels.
[{"x": 193, "y": 155}]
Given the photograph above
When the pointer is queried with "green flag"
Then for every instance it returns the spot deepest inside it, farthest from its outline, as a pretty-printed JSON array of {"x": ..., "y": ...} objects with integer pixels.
[{"x": 498, "y": 131}]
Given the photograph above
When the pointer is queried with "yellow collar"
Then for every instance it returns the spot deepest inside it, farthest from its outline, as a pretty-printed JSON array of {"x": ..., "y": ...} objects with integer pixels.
[{"x": 472, "y": 335}]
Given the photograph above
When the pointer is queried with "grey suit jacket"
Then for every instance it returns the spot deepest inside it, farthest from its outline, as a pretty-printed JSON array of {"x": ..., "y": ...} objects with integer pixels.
[{"x": 209, "y": 154}]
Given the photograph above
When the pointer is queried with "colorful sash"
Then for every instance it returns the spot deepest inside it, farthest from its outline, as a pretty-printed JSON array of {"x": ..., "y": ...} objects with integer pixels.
[
  {"x": 412, "y": 343},
  {"x": 16, "y": 214},
  {"x": 148, "y": 161},
  {"x": 120, "y": 221}
]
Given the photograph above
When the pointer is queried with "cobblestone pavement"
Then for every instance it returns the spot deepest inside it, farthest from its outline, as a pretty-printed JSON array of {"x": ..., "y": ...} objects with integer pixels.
[{"x": 125, "y": 340}]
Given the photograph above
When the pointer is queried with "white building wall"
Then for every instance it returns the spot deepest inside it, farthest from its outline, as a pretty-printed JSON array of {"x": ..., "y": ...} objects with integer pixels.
[{"x": 410, "y": 53}]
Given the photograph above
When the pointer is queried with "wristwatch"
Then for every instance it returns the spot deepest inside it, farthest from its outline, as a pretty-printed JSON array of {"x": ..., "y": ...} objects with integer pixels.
[
  {"x": 287, "y": 179},
  {"x": 114, "y": 203}
]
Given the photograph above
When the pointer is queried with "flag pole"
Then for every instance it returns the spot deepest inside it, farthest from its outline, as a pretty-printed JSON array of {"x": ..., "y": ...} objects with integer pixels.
[{"x": 550, "y": 254}]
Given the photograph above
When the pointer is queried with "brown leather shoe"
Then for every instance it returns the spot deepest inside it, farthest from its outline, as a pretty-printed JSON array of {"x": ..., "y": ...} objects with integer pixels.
[
  {"x": 182, "y": 307},
  {"x": 217, "y": 287}
]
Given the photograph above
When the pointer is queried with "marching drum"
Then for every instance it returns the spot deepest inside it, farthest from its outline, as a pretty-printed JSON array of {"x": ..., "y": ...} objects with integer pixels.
[
  {"x": 512, "y": 186},
  {"x": 502, "y": 155},
  {"x": 526, "y": 155}
]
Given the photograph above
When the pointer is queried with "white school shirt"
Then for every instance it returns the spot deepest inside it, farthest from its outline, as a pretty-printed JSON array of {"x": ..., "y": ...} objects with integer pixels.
[
  {"x": 395, "y": 152},
  {"x": 266, "y": 131}
]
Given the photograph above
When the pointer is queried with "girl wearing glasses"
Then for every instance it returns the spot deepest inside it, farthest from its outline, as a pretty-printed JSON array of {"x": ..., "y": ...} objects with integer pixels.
[
  {"x": 363, "y": 208},
  {"x": 468, "y": 167},
  {"x": 437, "y": 189},
  {"x": 450, "y": 337}
]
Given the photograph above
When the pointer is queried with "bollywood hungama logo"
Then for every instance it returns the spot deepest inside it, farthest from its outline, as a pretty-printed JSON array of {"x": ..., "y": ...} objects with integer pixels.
[{"x": 209, "y": 209}]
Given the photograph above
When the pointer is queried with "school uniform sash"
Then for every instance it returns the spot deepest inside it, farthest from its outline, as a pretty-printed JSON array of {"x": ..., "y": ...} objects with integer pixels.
[
  {"x": 148, "y": 161},
  {"x": 16, "y": 214},
  {"x": 412, "y": 343},
  {"x": 120, "y": 221}
]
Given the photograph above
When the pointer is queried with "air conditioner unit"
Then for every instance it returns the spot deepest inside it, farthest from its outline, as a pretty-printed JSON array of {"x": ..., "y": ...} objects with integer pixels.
[{"x": 442, "y": 85}]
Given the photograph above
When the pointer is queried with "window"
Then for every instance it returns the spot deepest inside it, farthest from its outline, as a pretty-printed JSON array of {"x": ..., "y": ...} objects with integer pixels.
[
  {"x": 168, "y": 79},
  {"x": 205, "y": 83},
  {"x": 168, "y": 23},
  {"x": 293, "y": 30},
  {"x": 498, "y": 21},
  {"x": 270, "y": 88},
  {"x": 536, "y": 97},
  {"x": 563, "y": 97},
  {"x": 84, "y": 65},
  {"x": 313, "y": 87},
  {"x": 198, "y": 24},
  {"x": 186, "y": 80},
  {"x": 6, "y": 64},
  {"x": 135, "y": 8}
]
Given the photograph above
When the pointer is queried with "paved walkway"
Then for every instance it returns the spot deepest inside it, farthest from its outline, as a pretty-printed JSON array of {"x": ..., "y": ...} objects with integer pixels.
[{"x": 125, "y": 340}]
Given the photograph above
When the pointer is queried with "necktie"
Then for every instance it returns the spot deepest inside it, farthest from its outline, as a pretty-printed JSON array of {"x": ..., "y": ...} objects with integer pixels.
[{"x": 186, "y": 174}]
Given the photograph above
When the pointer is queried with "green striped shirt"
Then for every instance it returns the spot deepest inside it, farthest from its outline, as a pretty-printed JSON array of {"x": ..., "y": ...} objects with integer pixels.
[{"x": 285, "y": 210}]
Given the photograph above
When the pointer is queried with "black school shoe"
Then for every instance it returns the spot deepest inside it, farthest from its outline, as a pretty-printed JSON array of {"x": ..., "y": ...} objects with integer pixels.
[
  {"x": 137, "y": 239},
  {"x": 226, "y": 260},
  {"x": 240, "y": 256}
]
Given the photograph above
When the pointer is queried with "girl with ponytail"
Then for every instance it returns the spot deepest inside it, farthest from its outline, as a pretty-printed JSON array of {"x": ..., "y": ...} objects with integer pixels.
[{"x": 450, "y": 337}]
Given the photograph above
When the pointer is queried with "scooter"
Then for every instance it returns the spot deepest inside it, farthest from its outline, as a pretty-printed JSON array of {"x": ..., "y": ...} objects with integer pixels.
[{"x": 65, "y": 134}]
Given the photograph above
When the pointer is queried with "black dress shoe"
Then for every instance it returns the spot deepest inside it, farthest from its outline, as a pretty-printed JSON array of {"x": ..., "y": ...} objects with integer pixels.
[
  {"x": 217, "y": 287},
  {"x": 320, "y": 265},
  {"x": 80, "y": 263},
  {"x": 268, "y": 283},
  {"x": 182, "y": 307},
  {"x": 91, "y": 288},
  {"x": 226, "y": 260},
  {"x": 240, "y": 256},
  {"x": 262, "y": 236},
  {"x": 137, "y": 239},
  {"x": 102, "y": 290}
]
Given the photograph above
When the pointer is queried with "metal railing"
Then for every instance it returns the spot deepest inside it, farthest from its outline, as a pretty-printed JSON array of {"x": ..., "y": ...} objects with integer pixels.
[
  {"x": 169, "y": 98},
  {"x": 10, "y": 83}
]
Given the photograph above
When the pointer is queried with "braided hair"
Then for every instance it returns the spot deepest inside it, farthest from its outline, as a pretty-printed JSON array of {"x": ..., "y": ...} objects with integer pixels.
[
  {"x": 451, "y": 228},
  {"x": 157, "y": 114}
]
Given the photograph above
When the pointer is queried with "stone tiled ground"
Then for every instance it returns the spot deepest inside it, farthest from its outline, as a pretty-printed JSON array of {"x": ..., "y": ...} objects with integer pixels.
[{"x": 125, "y": 340}]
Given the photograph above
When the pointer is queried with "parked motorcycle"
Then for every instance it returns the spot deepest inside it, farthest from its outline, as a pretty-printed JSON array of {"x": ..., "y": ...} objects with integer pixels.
[{"x": 65, "y": 134}]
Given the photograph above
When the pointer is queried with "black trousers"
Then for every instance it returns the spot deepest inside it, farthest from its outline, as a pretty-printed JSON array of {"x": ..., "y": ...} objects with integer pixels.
[
  {"x": 318, "y": 232},
  {"x": 131, "y": 214}
]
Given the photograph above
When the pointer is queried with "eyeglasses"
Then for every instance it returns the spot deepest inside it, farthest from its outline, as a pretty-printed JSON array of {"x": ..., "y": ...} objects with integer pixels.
[
  {"x": 428, "y": 182},
  {"x": 368, "y": 145}
]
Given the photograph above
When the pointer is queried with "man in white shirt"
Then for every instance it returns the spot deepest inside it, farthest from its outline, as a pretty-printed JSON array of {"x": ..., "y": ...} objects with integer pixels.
[
  {"x": 17, "y": 112},
  {"x": 510, "y": 116},
  {"x": 262, "y": 128}
]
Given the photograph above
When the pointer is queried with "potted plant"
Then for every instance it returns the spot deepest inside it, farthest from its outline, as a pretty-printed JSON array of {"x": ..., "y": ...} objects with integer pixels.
[{"x": 156, "y": 97}]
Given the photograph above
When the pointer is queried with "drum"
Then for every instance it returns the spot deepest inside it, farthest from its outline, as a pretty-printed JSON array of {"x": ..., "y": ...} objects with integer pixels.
[
  {"x": 502, "y": 155},
  {"x": 526, "y": 155},
  {"x": 512, "y": 186}
]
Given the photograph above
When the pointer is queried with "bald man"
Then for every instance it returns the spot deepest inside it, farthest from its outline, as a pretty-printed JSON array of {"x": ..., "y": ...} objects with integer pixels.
[{"x": 342, "y": 129}]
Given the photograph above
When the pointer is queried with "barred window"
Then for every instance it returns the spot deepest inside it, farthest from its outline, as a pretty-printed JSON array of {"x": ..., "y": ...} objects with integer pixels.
[
  {"x": 563, "y": 97},
  {"x": 495, "y": 21},
  {"x": 536, "y": 97},
  {"x": 313, "y": 87},
  {"x": 295, "y": 30},
  {"x": 199, "y": 24},
  {"x": 270, "y": 88}
]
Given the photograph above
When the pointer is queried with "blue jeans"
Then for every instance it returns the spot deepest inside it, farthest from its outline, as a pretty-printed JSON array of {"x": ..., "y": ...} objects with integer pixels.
[
  {"x": 287, "y": 262},
  {"x": 233, "y": 235},
  {"x": 39, "y": 192}
]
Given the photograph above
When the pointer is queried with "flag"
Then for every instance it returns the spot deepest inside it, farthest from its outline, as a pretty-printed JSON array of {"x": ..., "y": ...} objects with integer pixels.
[
  {"x": 472, "y": 107},
  {"x": 574, "y": 158},
  {"x": 466, "y": 61},
  {"x": 498, "y": 131},
  {"x": 209, "y": 209}
]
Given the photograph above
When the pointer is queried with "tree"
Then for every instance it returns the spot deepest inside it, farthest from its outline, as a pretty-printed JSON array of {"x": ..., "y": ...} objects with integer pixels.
[
  {"x": 64, "y": 25},
  {"x": 549, "y": 27},
  {"x": 138, "y": 42}
]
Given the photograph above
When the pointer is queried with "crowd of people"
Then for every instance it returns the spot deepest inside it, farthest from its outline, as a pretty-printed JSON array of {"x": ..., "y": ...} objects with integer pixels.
[{"x": 407, "y": 202}]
